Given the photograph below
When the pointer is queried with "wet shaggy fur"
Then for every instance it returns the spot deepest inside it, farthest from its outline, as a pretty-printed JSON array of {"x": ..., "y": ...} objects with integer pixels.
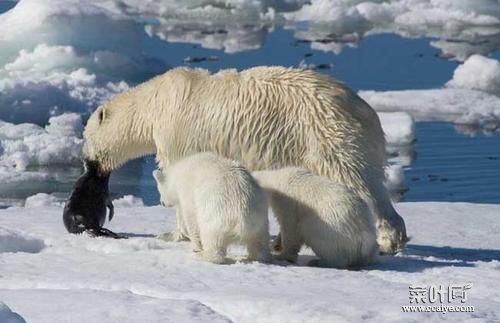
[
  {"x": 218, "y": 203},
  {"x": 326, "y": 216},
  {"x": 264, "y": 117}
]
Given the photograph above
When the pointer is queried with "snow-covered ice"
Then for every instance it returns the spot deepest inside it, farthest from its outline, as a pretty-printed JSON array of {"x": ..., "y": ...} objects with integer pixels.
[
  {"x": 477, "y": 73},
  {"x": 49, "y": 275},
  {"x": 460, "y": 106},
  {"x": 24, "y": 145},
  {"x": 471, "y": 97}
]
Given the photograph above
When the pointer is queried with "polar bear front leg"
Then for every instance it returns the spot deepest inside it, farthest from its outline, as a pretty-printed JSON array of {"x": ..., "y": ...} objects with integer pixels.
[
  {"x": 180, "y": 233},
  {"x": 291, "y": 241}
]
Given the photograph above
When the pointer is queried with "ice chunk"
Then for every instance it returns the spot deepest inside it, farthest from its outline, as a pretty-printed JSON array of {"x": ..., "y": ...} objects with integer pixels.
[
  {"x": 395, "y": 181},
  {"x": 477, "y": 73},
  {"x": 128, "y": 201},
  {"x": 59, "y": 143},
  {"x": 43, "y": 200},
  {"x": 39, "y": 83},
  {"x": 398, "y": 127},
  {"x": 25, "y": 146},
  {"x": 461, "y": 106},
  {"x": 55, "y": 57}
]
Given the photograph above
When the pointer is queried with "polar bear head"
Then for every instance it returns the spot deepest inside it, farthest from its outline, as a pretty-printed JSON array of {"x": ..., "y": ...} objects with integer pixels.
[
  {"x": 118, "y": 131},
  {"x": 165, "y": 187}
]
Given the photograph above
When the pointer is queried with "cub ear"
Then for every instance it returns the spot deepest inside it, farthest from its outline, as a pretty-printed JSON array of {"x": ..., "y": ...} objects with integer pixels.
[{"x": 158, "y": 175}]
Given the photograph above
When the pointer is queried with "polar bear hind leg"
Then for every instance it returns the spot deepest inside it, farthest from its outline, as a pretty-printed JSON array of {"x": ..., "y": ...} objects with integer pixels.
[{"x": 258, "y": 246}]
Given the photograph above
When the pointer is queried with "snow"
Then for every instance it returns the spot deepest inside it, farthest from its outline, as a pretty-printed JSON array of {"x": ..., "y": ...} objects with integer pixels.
[
  {"x": 477, "y": 73},
  {"x": 49, "y": 275}
]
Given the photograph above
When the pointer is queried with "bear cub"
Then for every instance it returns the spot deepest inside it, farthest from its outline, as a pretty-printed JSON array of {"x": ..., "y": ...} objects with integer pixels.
[
  {"x": 326, "y": 216},
  {"x": 218, "y": 203}
]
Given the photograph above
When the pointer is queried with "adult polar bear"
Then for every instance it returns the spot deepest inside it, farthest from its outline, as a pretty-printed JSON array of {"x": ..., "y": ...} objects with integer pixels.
[{"x": 265, "y": 117}]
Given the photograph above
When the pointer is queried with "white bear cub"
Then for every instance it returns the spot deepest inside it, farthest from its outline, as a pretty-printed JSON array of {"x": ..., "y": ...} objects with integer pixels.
[
  {"x": 326, "y": 216},
  {"x": 218, "y": 203}
]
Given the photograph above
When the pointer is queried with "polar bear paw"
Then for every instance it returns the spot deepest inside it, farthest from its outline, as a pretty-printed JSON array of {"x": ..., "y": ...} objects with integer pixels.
[
  {"x": 174, "y": 236},
  {"x": 287, "y": 257},
  {"x": 213, "y": 257}
]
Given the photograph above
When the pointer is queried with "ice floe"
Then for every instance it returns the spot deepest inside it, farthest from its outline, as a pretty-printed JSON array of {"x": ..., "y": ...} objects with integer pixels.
[
  {"x": 462, "y": 27},
  {"x": 34, "y": 158},
  {"x": 469, "y": 98},
  {"x": 477, "y": 73}
]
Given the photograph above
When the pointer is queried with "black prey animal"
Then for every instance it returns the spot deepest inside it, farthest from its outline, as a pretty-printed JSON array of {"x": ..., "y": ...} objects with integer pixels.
[{"x": 87, "y": 205}]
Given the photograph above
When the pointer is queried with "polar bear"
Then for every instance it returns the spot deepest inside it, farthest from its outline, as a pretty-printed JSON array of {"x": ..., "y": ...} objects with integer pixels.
[
  {"x": 218, "y": 202},
  {"x": 264, "y": 117},
  {"x": 326, "y": 216}
]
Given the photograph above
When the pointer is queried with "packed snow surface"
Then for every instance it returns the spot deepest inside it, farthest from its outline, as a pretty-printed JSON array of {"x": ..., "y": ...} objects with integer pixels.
[{"x": 48, "y": 275}]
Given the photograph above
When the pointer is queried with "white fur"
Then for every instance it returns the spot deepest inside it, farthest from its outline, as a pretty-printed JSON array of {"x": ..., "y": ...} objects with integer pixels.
[
  {"x": 218, "y": 202},
  {"x": 264, "y": 117},
  {"x": 326, "y": 216}
]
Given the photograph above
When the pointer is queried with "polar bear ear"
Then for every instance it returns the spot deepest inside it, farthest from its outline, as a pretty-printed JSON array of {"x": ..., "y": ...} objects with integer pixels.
[{"x": 102, "y": 115}]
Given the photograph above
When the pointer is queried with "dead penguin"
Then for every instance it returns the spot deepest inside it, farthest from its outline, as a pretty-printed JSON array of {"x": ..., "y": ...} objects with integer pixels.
[{"x": 87, "y": 205}]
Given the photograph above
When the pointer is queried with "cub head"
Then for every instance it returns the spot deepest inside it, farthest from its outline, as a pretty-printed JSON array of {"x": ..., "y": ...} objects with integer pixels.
[{"x": 167, "y": 198}]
